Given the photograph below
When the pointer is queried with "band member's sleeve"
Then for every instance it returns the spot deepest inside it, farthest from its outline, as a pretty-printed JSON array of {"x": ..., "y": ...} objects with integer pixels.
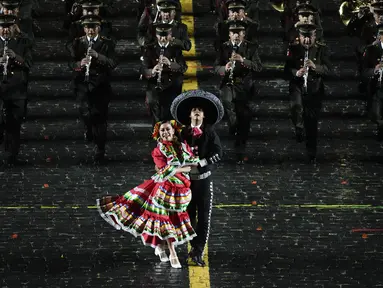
[
  {"x": 368, "y": 65},
  {"x": 184, "y": 40},
  {"x": 254, "y": 63},
  {"x": 147, "y": 64},
  {"x": 290, "y": 69},
  {"x": 165, "y": 171},
  {"x": 75, "y": 61},
  {"x": 25, "y": 60},
  {"x": 325, "y": 67},
  {"x": 179, "y": 65},
  {"x": 109, "y": 59},
  {"x": 144, "y": 28},
  {"x": 219, "y": 64}
]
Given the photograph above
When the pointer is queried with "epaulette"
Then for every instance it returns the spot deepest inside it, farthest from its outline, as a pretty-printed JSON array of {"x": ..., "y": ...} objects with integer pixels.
[
  {"x": 105, "y": 38},
  {"x": 77, "y": 22},
  {"x": 227, "y": 43},
  {"x": 81, "y": 38},
  {"x": 320, "y": 43},
  {"x": 250, "y": 43}
]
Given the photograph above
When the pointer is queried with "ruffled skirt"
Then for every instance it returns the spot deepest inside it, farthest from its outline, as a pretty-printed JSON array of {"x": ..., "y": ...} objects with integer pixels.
[{"x": 154, "y": 211}]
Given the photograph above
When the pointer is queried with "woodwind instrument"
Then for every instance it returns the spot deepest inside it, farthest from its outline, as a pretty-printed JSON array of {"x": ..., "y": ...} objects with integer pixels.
[
  {"x": 87, "y": 67},
  {"x": 306, "y": 75},
  {"x": 232, "y": 66},
  {"x": 380, "y": 72},
  {"x": 159, "y": 74},
  {"x": 5, "y": 64}
]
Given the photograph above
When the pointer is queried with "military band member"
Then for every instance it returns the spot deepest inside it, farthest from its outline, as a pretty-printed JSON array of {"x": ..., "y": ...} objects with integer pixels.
[
  {"x": 288, "y": 17},
  {"x": 163, "y": 66},
  {"x": 236, "y": 63},
  {"x": 373, "y": 72},
  {"x": 25, "y": 26},
  {"x": 304, "y": 13},
  {"x": 167, "y": 14},
  {"x": 307, "y": 63},
  {"x": 76, "y": 29},
  {"x": 92, "y": 61},
  {"x": 15, "y": 61},
  {"x": 236, "y": 9},
  {"x": 251, "y": 10}
]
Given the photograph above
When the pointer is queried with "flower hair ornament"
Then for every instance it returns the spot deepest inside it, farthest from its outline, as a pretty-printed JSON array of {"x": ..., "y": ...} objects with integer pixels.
[{"x": 156, "y": 130}]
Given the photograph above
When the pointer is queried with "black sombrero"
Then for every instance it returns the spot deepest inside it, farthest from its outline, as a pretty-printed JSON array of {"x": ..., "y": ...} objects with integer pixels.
[{"x": 211, "y": 105}]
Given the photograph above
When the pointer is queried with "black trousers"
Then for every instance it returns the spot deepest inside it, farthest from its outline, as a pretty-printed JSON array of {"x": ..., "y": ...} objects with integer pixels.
[
  {"x": 93, "y": 105},
  {"x": 159, "y": 101},
  {"x": 199, "y": 210},
  {"x": 236, "y": 104},
  {"x": 377, "y": 108},
  {"x": 12, "y": 114},
  {"x": 305, "y": 109}
]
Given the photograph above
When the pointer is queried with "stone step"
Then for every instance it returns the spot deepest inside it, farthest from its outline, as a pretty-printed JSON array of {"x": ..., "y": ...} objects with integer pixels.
[
  {"x": 271, "y": 49},
  {"x": 262, "y": 129},
  {"x": 127, "y": 70},
  {"x": 134, "y": 109},
  {"x": 133, "y": 149},
  {"x": 134, "y": 89}
]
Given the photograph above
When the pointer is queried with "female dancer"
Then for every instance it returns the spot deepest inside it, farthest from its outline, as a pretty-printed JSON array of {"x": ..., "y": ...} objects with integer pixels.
[{"x": 156, "y": 209}]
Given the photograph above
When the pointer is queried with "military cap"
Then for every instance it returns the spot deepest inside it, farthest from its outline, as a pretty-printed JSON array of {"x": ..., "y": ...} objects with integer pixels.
[
  {"x": 90, "y": 20},
  {"x": 237, "y": 25},
  {"x": 166, "y": 5},
  {"x": 7, "y": 20},
  {"x": 162, "y": 29},
  {"x": 306, "y": 9},
  {"x": 305, "y": 28},
  {"x": 10, "y": 4},
  {"x": 90, "y": 4},
  {"x": 235, "y": 4}
]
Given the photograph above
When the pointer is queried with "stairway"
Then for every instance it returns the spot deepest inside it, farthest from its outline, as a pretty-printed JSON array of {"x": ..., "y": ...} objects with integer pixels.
[{"x": 52, "y": 114}]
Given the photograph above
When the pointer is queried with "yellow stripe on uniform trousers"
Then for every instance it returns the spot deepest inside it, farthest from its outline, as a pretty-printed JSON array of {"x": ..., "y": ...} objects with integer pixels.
[{"x": 198, "y": 277}]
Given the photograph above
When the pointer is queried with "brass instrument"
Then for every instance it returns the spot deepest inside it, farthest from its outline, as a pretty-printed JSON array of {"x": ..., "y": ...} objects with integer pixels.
[
  {"x": 159, "y": 74},
  {"x": 306, "y": 75},
  {"x": 87, "y": 67},
  {"x": 232, "y": 66},
  {"x": 350, "y": 8},
  {"x": 278, "y": 5},
  {"x": 5, "y": 64}
]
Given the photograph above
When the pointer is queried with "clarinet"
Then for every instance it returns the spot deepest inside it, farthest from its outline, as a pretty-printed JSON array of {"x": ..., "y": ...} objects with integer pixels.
[
  {"x": 232, "y": 66},
  {"x": 5, "y": 64},
  {"x": 305, "y": 76},
  {"x": 87, "y": 67},
  {"x": 380, "y": 72},
  {"x": 159, "y": 75}
]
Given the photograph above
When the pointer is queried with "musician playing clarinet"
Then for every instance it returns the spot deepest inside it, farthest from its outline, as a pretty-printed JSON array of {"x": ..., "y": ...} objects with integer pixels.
[
  {"x": 373, "y": 73},
  {"x": 92, "y": 61},
  {"x": 307, "y": 63},
  {"x": 237, "y": 61},
  {"x": 15, "y": 63},
  {"x": 163, "y": 66}
]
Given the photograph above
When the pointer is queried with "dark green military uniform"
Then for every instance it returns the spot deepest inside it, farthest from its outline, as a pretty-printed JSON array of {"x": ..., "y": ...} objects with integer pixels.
[
  {"x": 237, "y": 87},
  {"x": 306, "y": 103},
  {"x": 13, "y": 85},
  {"x": 93, "y": 95},
  {"x": 161, "y": 92},
  {"x": 372, "y": 57}
]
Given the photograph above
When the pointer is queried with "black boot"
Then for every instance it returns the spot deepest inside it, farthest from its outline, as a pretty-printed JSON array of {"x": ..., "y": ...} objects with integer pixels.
[
  {"x": 196, "y": 257},
  {"x": 299, "y": 134}
]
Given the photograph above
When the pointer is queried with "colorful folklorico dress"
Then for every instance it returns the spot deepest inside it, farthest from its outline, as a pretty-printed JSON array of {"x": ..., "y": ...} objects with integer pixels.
[{"x": 156, "y": 209}]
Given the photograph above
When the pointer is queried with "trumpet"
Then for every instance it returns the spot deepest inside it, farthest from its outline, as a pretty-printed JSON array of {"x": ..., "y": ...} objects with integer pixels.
[
  {"x": 159, "y": 74},
  {"x": 305, "y": 76},
  {"x": 5, "y": 64},
  {"x": 350, "y": 8},
  {"x": 232, "y": 66},
  {"x": 87, "y": 67}
]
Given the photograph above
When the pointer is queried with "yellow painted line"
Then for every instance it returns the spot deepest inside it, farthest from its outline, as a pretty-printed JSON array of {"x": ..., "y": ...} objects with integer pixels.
[
  {"x": 219, "y": 206},
  {"x": 199, "y": 277}
]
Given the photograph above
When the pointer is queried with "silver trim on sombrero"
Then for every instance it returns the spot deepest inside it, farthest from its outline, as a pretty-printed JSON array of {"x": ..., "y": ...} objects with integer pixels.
[{"x": 198, "y": 94}]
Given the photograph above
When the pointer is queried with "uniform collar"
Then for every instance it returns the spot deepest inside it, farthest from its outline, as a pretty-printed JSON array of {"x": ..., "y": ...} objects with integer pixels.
[{"x": 94, "y": 39}]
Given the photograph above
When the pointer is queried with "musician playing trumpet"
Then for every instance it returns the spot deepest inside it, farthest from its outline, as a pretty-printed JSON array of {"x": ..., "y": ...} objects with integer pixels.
[
  {"x": 92, "y": 61},
  {"x": 237, "y": 62},
  {"x": 306, "y": 65},
  {"x": 163, "y": 66},
  {"x": 373, "y": 72}
]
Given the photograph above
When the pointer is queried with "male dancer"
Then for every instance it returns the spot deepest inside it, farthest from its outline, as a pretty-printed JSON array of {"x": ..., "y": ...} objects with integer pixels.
[{"x": 199, "y": 111}]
